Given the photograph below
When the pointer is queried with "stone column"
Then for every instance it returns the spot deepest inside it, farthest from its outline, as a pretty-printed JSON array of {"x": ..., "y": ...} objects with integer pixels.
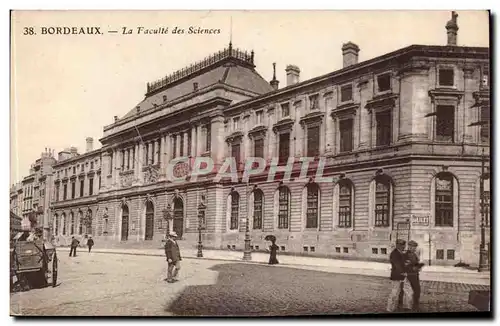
[
  {"x": 177, "y": 140},
  {"x": 104, "y": 171},
  {"x": 168, "y": 149},
  {"x": 140, "y": 165},
  {"x": 247, "y": 149},
  {"x": 185, "y": 139},
  {"x": 271, "y": 135},
  {"x": 137, "y": 161},
  {"x": 115, "y": 166},
  {"x": 155, "y": 151},
  {"x": 470, "y": 114},
  {"x": 194, "y": 143},
  {"x": 217, "y": 141},
  {"x": 200, "y": 146},
  {"x": 150, "y": 153}
]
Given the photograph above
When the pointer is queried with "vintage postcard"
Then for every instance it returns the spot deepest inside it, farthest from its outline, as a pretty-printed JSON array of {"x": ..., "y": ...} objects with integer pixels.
[{"x": 249, "y": 163}]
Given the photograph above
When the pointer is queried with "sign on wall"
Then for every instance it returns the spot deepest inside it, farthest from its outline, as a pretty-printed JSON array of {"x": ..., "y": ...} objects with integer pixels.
[{"x": 420, "y": 219}]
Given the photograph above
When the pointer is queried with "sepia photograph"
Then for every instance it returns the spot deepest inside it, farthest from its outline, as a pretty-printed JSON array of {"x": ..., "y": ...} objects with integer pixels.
[{"x": 250, "y": 163}]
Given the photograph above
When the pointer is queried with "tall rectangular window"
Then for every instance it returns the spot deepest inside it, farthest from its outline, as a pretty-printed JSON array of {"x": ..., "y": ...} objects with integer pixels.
[
  {"x": 384, "y": 128},
  {"x": 446, "y": 77},
  {"x": 73, "y": 189},
  {"x": 181, "y": 146},
  {"x": 99, "y": 182},
  {"x": 313, "y": 141},
  {"x": 346, "y": 93},
  {"x": 82, "y": 189},
  {"x": 174, "y": 147},
  {"x": 257, "y": 209},
  {"x": 445, "y": 123},
  {"x": 189, "y": 145},
  {"x": 346, "y": 138},
  {"x": 345, "y": 201},
  {"x": 236, "y": 123},
  {"x": 91, "y": 186},
  {"x": 258, "y": 147},
  {"x": 65, "y": 191},
  {"x": 57, "y": 193},
  {"x": 314, "y": 102},
  {"x": 485, "y": 123},
  {"x": 284, "y": 147},
  {"x": 444, "y": 200},
  {"x": 92, "y": 165},
  {"x": 285, "y": 110},
  {"x": 208, "y": 138},
  {"x": 258, "y": 117},
  {"x": 235, "y": 152}
]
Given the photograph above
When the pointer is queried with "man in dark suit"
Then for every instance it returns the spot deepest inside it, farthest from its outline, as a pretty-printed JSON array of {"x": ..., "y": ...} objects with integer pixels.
[
  {"x": 74, "y": 245},
  {"x": 398, "y": 276},
  {"x": 173, "y": 257},
  {"x": 413, "y": 267}
]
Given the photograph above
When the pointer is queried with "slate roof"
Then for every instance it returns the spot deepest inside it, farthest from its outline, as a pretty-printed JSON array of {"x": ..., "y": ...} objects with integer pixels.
[{"x": 231, "y": 70}]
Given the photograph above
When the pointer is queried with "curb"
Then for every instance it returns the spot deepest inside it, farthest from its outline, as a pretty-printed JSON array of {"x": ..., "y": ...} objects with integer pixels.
[{"x": 342, "y": 269}]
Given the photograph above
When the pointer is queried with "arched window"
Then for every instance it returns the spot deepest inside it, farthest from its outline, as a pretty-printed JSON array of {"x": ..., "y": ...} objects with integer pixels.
[
  {"x": 283, "y": 207},
  {"x": 56, "y": 224},
  {"x": 235, "y": 207},
  {"x": 312, "y": 206},
  {"x": 257, "y": 208},
  {"x": 80, "y": 222},
  {"x": 345, "y": 204},
  {"x": 63, "y": 221},
  {"x": 382, "y": 201},
  {"x": 72, "y": 223},
  {"x": 444, "y": 200}
]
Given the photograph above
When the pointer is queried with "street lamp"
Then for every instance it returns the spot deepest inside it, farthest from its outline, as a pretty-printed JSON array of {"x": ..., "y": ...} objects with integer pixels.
[
  {"x": 247, "y": 253},
  {"x": 167, "y": 216},
  {"x": 201, "y": 218},
  {"x": 483, "y": 253}
]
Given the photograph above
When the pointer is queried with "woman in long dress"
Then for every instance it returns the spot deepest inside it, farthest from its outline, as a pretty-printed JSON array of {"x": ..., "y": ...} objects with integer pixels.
[{"x": 273, "y": 248}]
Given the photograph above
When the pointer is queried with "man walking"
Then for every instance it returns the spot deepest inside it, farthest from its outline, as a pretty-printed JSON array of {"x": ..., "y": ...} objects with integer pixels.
[
  {"x": 398, "y": 276},
  {"x": 413, "y": 267},
  {"x": 74, "y": 244},
  {"x": 173, "y": 257},
  {"x": 90, "y": 243}
]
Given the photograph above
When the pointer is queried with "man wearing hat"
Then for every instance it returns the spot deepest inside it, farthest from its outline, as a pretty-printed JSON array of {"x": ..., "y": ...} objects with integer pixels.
[
  {"x": 173, "y": 257},
  {"x": 413, "y": 267},
  {"x": 398, "y": 276}
]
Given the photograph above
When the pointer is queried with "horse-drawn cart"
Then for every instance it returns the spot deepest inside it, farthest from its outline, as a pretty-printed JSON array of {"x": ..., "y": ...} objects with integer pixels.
[{"x": 33, "y": 262}]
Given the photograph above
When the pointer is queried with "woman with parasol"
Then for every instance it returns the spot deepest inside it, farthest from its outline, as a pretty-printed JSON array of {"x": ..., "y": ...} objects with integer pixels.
[{"x": 273, "y": 248}]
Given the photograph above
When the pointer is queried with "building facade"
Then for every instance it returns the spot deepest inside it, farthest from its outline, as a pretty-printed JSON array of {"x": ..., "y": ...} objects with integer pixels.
[{"x": 404, "y": 138}]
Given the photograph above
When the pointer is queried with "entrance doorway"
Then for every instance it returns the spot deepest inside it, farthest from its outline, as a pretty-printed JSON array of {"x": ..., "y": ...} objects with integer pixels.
[
  {"x": 150, "y": 213},
  {"x": 178, "y": 226},
  {"x": 125, "y": 223}
]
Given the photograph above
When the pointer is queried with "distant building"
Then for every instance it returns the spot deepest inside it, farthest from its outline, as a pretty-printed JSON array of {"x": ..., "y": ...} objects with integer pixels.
[{"x": 395, "y": 132}]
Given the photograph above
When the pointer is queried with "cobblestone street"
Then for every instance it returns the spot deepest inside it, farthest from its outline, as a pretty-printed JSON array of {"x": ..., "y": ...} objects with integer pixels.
[{"x": 106, "y": 284}]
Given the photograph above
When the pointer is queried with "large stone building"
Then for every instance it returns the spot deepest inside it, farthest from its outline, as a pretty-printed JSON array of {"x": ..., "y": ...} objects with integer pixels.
[{"x": 394, "y": 132}]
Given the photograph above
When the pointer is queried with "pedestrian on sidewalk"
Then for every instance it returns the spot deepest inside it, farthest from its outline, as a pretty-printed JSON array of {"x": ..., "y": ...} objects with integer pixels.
[
  {"x": 90, "y": 243},
  {"x": 413, "y": 267},
  {"x": 273, "y": 250},
  {"x": 398, "y": 278},
  {"x": 74, "y": 244},
  {"x": 173, "y": 254}
]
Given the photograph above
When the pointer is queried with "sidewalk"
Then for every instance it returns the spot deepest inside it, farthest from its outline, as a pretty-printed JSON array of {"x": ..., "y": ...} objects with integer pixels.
[{"x": 429, "y": 273}]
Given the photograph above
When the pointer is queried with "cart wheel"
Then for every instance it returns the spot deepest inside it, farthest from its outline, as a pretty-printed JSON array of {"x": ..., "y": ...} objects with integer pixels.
[{"x": 54, "y": 270}]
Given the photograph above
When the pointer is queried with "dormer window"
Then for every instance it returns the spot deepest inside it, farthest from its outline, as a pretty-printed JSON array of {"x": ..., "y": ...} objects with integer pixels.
[
  {"x": 314, "y": 102},
  {"x": 285, "y": 110},
  {"x": 164, "y": 98},
  {"x": 236, "y": 123},
  {"x": 346, "y": 93},
  {"x": 258, "y": 117},
  {"x": 446, "y": 77},
  {"x": 383, "y": 83}
]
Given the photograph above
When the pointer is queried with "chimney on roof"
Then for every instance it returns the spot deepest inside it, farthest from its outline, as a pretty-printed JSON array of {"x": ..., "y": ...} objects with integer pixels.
[
  {"x": 292, "y": 75},
  {"x": 274, "y": 83},
  {"x": 350, "y": 53},
  {"x": 73, "y": 151},
  {"x": 452, "y": 29},
  {"x": 90, "y": 144},
  {"x": 116, "y": 118}
]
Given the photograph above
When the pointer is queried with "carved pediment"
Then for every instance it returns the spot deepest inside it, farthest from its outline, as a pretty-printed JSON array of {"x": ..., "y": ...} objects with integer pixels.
[
  {"x": 283, "y": 124},
  {"x": 234, "y": 137},
  {"x": 345, "y": 109},
  {"x": 257, "y": 131},
  {"x": 445, "y": 94},
  {"x": 312, "y": 117},
  {"x": 386, "y": 100}
]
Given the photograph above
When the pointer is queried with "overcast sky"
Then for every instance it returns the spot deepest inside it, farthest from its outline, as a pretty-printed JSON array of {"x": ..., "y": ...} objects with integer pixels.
[{"x": 66, "y": 88}]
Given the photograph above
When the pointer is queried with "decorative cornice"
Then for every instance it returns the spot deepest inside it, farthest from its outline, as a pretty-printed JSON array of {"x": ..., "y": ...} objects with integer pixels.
[
  {"x": 344, "y": 109},
  {"x": 312, "y": 117},
  {"x": 283, "y": 124},
  {"x": 237, "y": 135},
  {"x": 257, "y": 130},
  {"x": 445, "y": 93},
  {"x": 414, "y": 66},
  {"x": 386, "y": 100}
]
